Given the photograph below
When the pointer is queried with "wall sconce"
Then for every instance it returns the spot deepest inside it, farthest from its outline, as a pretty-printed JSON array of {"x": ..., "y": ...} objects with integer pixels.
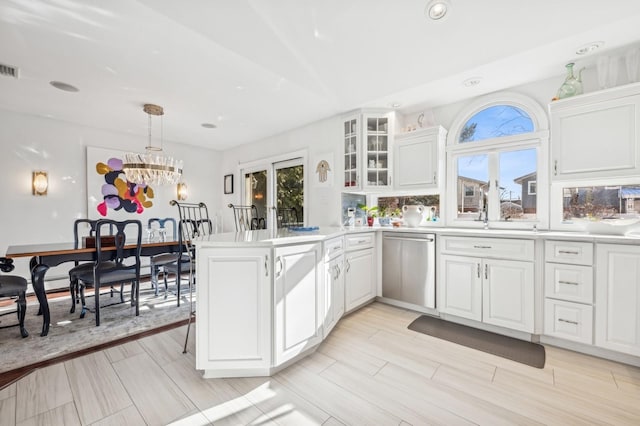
[
  {"x": 39, "y": 183},
  {"x": 182, "y": 191}
]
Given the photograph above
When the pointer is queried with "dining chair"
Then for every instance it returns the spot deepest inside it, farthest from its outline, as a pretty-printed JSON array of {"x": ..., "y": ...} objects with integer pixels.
[
  {"x": 246, "y": 217},
  {"x": 194, "y": 223},
  {"x": 14, "y": 286},
  {"x": 160, "y": 260},
  {"x": 115, "y": 263},
  {"x": 81, "y": 268}
]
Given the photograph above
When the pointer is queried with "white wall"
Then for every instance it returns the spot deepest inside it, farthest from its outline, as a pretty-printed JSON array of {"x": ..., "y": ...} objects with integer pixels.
[
  {"x": 322, "y": 137},
  {"x": 31, "y": 143}
]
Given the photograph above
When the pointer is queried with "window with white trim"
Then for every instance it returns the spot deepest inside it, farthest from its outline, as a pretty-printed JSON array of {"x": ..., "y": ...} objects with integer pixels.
[{"x": 497, "y": 146}]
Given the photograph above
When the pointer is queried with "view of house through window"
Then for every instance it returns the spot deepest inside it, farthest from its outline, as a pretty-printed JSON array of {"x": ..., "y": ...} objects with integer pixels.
[
  {"x": 501, "y": 175},
  {"x": 601, "y": 202}
]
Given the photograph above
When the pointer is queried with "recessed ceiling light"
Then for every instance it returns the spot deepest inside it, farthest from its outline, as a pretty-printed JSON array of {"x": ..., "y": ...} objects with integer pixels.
[
  {"x": 589, "y": 47},
  {"x": 395, "y": 105},
  {"x": 437, "y": 9},
  {"x": 64, "y": 86},
  {"x": 208, "y": 125},
  {"x": 473, "y": 81}
]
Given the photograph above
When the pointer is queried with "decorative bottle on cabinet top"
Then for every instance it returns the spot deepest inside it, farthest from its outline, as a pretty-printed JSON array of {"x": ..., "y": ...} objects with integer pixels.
[{"x": 572, "y": 86}]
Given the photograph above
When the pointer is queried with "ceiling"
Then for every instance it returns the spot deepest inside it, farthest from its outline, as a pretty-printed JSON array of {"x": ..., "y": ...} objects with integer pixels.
[{"x": 256, "y": 68}]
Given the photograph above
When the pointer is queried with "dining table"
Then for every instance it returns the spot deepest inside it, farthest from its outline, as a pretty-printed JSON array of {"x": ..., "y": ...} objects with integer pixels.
[{"x": 44, "y": 256}]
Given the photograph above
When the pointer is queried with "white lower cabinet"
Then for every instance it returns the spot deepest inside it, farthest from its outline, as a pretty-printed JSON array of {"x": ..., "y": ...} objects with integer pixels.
[
  {"x": 568, "y": 290},
  {"x": 298, "y": 300},
  {"x": 359, "y": 270},
  {"x": 568, "y": 320},
  {"x": 360, "y": 286},
  {"x": 495, "y": 291},
  {"x": 233, "y": 336},
  {"x": 333, "y": 291},
  {"x": 617, "y": 298}
]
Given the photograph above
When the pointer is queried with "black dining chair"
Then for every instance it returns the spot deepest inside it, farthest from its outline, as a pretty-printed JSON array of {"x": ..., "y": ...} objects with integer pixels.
[
  {"x": 14, "y": 286},
  {"x": 246, "y": 217},
  {"x": 287, "y": 217},
  {"x": 115, "y": 264},
  {"x": 194, "y": 223},
  {"x": 160, "y": 260},
  {"x": 81, "y": 268}
]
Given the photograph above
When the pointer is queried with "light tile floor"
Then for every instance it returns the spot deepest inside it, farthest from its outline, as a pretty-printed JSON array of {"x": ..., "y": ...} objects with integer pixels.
[{"x": 370, "y": 370}]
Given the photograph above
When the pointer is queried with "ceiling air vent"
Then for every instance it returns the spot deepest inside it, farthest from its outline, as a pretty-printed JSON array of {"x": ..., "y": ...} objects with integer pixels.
[{"x": 8, "y": 71}]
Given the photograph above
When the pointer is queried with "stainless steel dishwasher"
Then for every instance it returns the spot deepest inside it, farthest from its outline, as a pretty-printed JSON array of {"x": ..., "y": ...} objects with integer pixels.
[{"x": 408, "y": 268}]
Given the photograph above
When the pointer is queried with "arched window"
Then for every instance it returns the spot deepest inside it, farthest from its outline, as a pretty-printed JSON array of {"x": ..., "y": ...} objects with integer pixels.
[
  {"x": 495, "y": 153},
  {"x": 494, "y": 122}
]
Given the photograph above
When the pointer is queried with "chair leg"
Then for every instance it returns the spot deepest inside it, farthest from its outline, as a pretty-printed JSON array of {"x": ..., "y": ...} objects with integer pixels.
[
  {"x": 165, "y": 274},
  {"x": 96, "y": 290},
  {"x": 72, "y": 289},
  {"x": 22, "y": 310},
  {"x": 122, "y": 292},
  {"x": 83, "y": 312},
  {"x": 155, "y": 272},
  {"x": 137, "y": 286}
]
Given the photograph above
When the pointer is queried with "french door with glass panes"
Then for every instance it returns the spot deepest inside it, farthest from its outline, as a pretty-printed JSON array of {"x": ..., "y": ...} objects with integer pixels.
[{"x": 277, "y": 190}]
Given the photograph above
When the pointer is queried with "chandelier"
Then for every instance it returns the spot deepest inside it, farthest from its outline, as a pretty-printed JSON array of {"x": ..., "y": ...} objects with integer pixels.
[{"x": 152, "y": 167}]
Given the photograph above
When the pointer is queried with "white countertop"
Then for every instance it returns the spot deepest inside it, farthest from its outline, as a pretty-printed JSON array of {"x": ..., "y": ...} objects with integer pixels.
[{"x": 270, "y": 238}]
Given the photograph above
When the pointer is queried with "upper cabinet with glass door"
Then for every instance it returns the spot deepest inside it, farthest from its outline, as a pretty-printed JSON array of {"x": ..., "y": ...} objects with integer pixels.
[
  {"x": 368, "y": 151},
  {"x": 596, "y": 135}
]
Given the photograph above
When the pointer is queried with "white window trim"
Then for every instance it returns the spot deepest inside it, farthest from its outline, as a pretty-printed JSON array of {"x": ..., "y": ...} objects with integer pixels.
[
  {"x": 529, "y": 187},
  {"x": 473, "y": 190},
  {"x": 538, "y": 139}
]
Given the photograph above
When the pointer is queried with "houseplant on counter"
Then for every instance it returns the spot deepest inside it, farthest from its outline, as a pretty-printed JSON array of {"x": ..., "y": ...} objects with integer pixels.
[{"x": 371, "y": 212}]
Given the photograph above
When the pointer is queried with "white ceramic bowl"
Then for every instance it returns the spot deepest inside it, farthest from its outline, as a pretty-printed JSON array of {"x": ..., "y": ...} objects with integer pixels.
[{"x": 612, "y": 226}]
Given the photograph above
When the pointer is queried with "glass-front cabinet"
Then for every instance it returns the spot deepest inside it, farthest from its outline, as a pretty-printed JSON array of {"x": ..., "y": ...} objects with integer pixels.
[
  {"x": 351, "y": 175},
  {"x": 367, "y": 151}
]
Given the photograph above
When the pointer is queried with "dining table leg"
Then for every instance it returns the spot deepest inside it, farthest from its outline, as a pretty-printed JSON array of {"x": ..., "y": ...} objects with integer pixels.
[{"x": 38, "y": 270}]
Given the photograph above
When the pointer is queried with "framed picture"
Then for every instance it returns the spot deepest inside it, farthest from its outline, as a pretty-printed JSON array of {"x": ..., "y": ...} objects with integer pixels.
[{"x": 228, "y": 184}]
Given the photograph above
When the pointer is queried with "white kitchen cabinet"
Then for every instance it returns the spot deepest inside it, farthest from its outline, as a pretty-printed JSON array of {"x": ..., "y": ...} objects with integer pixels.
[
  {"x": 508, "y": 294},
  {"x": 488, "y": 289},
  {"x": 461, "y": 286},
  {"x": 243, "y": 276},
  {"x": 298, "y": 300},
  {"x": 416, "y": 158},
  {"x": 333, "y": 283},
  {"x": 334, "y": 293},
  {"x": 367, "y": 148},
  {"x": 617, "y": 298},
  {"x": 359, "y": 267},
  {"x": 568, "y": 290},
  {"x": 596, "y": 135}
]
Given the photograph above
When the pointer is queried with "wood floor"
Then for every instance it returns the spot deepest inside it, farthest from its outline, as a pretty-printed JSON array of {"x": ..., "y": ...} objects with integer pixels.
[{"x": 371, "y": 370}]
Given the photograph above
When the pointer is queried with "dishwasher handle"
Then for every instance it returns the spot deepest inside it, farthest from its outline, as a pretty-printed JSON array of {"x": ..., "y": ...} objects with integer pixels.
[{"x": 430, "y": 240}]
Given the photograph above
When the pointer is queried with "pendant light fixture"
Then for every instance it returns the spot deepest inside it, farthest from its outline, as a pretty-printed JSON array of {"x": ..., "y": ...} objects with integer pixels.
[{"x": 152, "y": 167}]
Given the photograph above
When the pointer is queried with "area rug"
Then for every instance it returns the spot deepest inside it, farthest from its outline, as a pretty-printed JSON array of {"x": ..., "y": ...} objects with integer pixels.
[
  {"x": 528, "y": 353},
  {"x": 69, "y": 333}
]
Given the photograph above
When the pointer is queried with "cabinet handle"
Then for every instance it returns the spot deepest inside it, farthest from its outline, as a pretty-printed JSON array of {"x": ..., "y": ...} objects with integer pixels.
[
  {"x": 568, "y": 321},
  {"x": 478, "y": 270},
  {"x": 486, "y": 271},
  {"x": 568, "y": 282},
  {"x": 555, "y": 168},
  {"x": 435, "y": 178},
  {"x": 278, "y": 267},
  {"x": 348, "y": 265},
  {"x": 567, "y": 252},
  {"x": 361, "y": 241},
  {"x": 266, "y": 266},
  {"x": 338, "y": 271},
  {"x": 482, "y": 247}
]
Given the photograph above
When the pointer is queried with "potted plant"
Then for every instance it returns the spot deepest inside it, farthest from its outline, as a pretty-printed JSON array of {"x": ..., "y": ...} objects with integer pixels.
[
  {"x": 386, "y": 213},
  {"x": 371, "y": 212}
]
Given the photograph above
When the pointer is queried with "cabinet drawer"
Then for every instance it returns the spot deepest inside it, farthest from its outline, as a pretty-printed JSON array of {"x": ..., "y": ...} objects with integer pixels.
[
  {"x": 333, "y": 247},
  {"x": 568, "y": 282},
  {"x": 573, "y": 252},
  {"x": 359, "y": 241},
  {"x": 503, "y": 248},
  {"x": 567, "y": 320}
]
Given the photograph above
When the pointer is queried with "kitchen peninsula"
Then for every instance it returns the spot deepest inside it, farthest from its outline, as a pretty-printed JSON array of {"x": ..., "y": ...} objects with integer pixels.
[{"x": 271, "y": 297}]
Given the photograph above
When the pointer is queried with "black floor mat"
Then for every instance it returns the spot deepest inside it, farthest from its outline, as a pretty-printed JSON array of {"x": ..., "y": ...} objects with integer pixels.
[{"x": 521, "y": 351}]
